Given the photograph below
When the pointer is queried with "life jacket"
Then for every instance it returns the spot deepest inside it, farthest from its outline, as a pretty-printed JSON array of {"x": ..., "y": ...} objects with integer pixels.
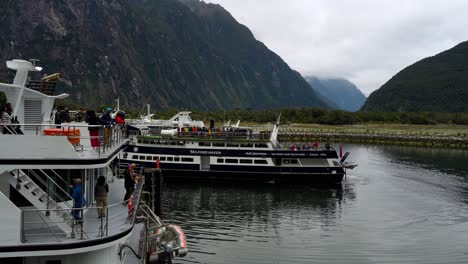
[{"x": 119, "y": 120}]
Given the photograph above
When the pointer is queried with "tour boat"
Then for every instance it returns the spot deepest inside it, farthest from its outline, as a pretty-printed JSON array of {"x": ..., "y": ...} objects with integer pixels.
[
  {"x": 38, "y": 162},
  {"x": 191, "y": 151}
]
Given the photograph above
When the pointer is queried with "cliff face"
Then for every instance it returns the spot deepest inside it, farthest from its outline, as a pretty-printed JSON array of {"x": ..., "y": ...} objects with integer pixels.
[
  {"x": 167, "y": 53},
  {"x": 434, "y": 84}
]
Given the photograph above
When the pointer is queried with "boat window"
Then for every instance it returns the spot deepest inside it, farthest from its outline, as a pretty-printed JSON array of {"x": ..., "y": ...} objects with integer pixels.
[
  {"x": 245, "y": 161},
  {"x": 134, "y": 156},
  {"x": 246, "y": 145},
  {"x": 149, "y": 157},
  {"x": 169, "y": 158},
  {"x": 232, "y": 145},
  {"x": 218, "y": 144},
  {"x": 187, "y": 159},
  {"x": 220, "y": 160},
  {"x": 141, "y": 158},
  {"x": 261, "y": 145},
  {"x": 232, "y": 161},
  {"x": 155, "y": 157},
  {"x": 176, "y": 159},
  {"x": 124, "y": 156},
  {"x": 260, "y": 162},
  {"x": 162, "y": 158},
  {"x": 286, "y": 161},
  {"x": 294, "y": 161}
]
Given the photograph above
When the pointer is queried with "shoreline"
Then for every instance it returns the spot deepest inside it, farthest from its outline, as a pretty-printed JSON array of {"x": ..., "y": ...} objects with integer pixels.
[{"x": 436, "y": 136}]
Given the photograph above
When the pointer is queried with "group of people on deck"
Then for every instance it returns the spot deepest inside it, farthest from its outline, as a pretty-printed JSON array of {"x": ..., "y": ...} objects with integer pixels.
[
  {"x": 105, "y": 120},
  {"x": 101, "y": 191},
  {"x": 309, "y": 147}
]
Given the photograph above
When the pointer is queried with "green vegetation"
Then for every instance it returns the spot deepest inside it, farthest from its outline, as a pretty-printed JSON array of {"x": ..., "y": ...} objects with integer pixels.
[
  {"x": 434, "y": 84},
  {"x": 326, "y": 117}
]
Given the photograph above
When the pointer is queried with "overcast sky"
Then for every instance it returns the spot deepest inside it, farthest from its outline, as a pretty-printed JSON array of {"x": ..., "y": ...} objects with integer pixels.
[{"x": 364, "y": 41}]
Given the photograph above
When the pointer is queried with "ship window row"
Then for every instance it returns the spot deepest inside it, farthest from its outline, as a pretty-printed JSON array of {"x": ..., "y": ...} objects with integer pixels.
[
  {"x": 160, "y": 142},
  {"x": 162, "y": 158},
  {"x": 290, "y": 161},
  {"x": 241, "y": 161},
  {"x": 233, "y": 145}
]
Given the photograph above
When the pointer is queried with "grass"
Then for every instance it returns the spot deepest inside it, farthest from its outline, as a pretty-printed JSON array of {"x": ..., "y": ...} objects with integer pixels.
[{"x": 432, "y": 130}]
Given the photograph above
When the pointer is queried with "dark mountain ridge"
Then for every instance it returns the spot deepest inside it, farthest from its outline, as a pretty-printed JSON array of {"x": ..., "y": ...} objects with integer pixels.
[
  {"x": 167, "y": 53},
  {"x": 434, "y": 84}
]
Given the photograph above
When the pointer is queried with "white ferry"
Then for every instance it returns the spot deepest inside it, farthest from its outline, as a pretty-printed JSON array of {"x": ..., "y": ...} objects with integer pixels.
[
  {"x": 192, "y": 151},
  {"x": 37, "y": 164}
]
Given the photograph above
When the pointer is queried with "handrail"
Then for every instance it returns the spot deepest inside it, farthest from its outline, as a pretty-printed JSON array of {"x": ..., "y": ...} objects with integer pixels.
[
  {"x": 48, "y": 226},
  {"x": 63, "y": 181},
  {"x": 46, "y": 184},
  {"x": 109, "y": 222},
  {"x": 48, "y": 177}
]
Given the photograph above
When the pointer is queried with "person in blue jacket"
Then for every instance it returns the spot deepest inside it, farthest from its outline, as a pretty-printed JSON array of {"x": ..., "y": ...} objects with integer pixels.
[{"x": 78, "y": 199}]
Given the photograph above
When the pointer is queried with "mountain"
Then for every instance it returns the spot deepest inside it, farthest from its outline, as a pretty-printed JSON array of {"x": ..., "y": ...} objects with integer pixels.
[
  {"x": 169, "y": 53},
  {"x": 341, "y": 92},
  {"x": 434, "y": 84}
]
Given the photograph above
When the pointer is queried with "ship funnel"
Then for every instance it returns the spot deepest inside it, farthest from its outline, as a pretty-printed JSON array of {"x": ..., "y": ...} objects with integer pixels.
[{"x": 22, "y": 68}]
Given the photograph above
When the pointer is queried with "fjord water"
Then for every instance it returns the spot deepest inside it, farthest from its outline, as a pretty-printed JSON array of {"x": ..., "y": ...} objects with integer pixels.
[{"x": 400, "y": 205}]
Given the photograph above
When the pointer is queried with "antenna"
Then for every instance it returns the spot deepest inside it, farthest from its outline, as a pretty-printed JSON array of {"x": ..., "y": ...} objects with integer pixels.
[
  {"x": 118, "y": 104},
  {"x": 34, "y": 61}
]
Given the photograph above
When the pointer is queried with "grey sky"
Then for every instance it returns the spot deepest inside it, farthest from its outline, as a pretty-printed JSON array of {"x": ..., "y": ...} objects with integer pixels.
[{"x": 365, "y": 41}]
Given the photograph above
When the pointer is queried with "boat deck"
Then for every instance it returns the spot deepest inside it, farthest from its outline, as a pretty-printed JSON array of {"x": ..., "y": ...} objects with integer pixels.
[{"x": 94, "y": 227}]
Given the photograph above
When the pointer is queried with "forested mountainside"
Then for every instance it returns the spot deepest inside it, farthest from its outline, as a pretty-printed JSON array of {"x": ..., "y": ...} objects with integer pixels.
[
  {"x": 434, "y": 84},
  {"x": 169, "y": 53},
  {"x": 343, "y": 93}
]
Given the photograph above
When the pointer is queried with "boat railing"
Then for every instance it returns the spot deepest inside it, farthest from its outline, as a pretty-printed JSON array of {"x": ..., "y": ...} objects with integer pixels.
[
  {"x": 220, "y": 135},
  {"x": 119, "y": 217},
  {"x": 108, "y": 136}
]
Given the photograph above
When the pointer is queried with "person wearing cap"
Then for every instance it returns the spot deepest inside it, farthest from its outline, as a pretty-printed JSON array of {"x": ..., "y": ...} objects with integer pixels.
[
  {"x": 129, "y": 182},
  {"x": 78, "y": 198},
  {"x": 106, "y": 120}
]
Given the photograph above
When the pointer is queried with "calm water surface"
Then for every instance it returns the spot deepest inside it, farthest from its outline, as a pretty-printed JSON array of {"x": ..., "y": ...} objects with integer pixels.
[{"x": 400, "y": 205}]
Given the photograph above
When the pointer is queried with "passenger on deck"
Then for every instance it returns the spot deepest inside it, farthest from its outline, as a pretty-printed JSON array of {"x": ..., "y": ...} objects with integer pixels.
[
  {"x": 129, "y": 182},
  {"x": 78, "y": 200},
  {"x": 106, "y": 120},
  {"x": 100, "y": 192},
  {"x": 93, "y": 131},
  {"x": 5, "y": 120}
]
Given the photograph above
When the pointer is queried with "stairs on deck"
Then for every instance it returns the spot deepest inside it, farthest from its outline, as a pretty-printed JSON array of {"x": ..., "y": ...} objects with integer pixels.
[{"x": 59, "y": 214}]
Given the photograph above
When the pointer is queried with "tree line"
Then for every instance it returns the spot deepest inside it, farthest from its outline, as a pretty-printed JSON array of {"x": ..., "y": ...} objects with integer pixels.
[{"x": 322, "y": 116}]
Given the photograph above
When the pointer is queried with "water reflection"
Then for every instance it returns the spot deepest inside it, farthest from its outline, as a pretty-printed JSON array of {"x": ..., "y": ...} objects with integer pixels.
[
  {"x": 251, "y": 217},
  {"x": 400, "y": 205}
]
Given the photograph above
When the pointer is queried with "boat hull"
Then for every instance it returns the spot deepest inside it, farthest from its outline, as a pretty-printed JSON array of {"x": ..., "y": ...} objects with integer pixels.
[{"x": 314, "y": 175}]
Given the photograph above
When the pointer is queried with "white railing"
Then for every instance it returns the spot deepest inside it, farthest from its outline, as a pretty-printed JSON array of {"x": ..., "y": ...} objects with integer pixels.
[
  {"x": 88, "y": 227},
  {"x": 108, "y": 136}
]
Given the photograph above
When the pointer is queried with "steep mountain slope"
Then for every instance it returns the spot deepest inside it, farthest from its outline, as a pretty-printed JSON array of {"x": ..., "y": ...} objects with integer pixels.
[
  {"x": 434, "y": 84},
  {"x": 166, "y": 53},
  {"x": 343, "y": 93}
]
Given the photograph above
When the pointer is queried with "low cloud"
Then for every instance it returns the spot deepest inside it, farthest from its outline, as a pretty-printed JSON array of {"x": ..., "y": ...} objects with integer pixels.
[{"x": 365, "y": 41}]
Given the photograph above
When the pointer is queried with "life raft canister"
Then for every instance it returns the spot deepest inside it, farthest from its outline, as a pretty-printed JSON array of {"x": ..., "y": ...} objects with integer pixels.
[{"x": 180, "y": 235}]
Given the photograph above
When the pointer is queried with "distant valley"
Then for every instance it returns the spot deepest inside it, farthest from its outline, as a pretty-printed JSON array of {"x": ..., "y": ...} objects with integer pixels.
[{"x": 342, "y": 93}]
